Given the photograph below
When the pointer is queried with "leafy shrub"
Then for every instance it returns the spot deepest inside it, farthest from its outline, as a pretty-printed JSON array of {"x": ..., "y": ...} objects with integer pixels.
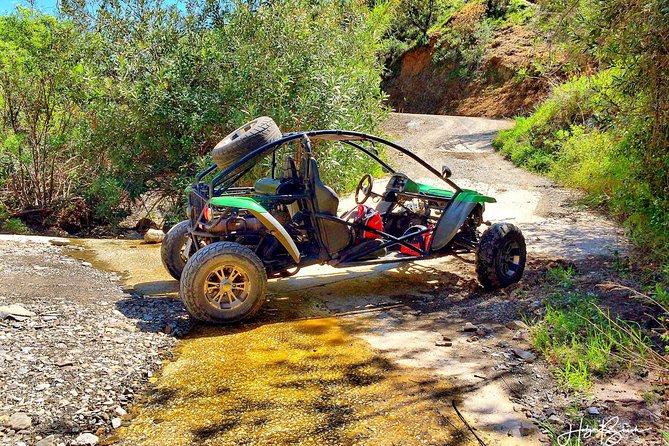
[
  {"x": 163, "y": 108},
  {"x": 136, "y": 100},
  {"x": 15, "y": 226},
  {"x": 42, "y": 91}
]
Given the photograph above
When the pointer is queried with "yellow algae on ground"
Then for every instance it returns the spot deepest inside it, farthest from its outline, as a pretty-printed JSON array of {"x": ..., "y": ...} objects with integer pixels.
[{"x": 304, "y": 382}]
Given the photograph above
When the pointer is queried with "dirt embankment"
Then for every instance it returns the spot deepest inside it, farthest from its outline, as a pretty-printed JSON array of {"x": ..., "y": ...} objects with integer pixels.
[{"x": 498, "y": 90}]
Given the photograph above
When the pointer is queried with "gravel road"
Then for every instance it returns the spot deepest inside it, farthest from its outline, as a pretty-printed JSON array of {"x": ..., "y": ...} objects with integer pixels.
[{"x": 75, "y": 364}]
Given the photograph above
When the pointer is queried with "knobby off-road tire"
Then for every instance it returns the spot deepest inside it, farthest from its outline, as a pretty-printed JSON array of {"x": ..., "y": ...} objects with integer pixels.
[
  {"x": 242, "y": 278},
  {"x": 245, "y": 139},
  {"x": 501, "y": 256},
  {"x": 172, "y": 247}
]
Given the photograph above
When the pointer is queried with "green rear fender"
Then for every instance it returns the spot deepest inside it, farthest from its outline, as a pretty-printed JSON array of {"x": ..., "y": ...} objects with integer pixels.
[
  {"x": 471, "y": 196},
  {"x": 273, "y": 226}
]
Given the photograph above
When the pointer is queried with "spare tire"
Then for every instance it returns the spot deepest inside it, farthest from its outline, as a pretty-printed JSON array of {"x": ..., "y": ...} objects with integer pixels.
[{"x": 245, "y": 139}]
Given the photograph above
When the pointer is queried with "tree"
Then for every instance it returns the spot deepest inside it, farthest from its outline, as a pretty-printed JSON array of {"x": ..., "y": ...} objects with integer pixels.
[{"x": 43, "y": 84}]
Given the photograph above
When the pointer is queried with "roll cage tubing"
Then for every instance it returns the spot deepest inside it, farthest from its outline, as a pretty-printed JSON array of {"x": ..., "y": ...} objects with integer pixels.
[{"x": 343, "y": 136}]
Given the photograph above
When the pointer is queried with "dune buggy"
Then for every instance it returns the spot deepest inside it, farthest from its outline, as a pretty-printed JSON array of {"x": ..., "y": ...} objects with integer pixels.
[{"x": 239, "y": 233}]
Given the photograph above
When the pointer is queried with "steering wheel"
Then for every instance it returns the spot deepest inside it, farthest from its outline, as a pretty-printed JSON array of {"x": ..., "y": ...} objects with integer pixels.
[{"x": 365, "y": 186}]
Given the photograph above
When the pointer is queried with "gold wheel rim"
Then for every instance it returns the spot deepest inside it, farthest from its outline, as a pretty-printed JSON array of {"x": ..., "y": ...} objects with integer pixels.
[{"x": 227, "y": 287}]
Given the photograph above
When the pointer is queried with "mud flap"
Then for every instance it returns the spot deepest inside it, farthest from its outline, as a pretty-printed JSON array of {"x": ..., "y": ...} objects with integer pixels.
[
  {"x": 279, "y": 232},
  {"x": 450, "y": 223}
]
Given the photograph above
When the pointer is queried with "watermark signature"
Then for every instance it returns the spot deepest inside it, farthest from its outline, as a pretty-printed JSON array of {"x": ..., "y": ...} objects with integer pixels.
[{"x": 609, "y": 433}]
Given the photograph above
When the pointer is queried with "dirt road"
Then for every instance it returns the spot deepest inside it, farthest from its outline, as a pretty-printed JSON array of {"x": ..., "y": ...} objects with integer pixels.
[{"x": 304, "y": 372}]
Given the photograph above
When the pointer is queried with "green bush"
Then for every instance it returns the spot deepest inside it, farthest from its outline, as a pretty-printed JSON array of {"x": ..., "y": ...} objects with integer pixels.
[
  {"x": 139, "y": 100},
  {"x": 15, "y": 226},
  {"x": 43, "y": 90},
  {"x": 464, "y": 38},
  {"x": 4, "y": 214}
]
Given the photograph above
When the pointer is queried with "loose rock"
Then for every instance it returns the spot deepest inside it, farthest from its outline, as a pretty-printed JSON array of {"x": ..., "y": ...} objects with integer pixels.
[
  {"x": 154, "y": 236},
  {"x": 592, "y": 411},
  {"x": 16, "y": 310},
  {"x": 526, "y": 429},
  {"x": 469, "y": 327},
  {"x": 87, "y": 439},
  {"x": 59, "y": 241},
  {"x": 47, "y": 441},
  {"x": 524, "y": 354},
  {"x": 517, "y": 325},
  {"x": 20, "y": 421}
]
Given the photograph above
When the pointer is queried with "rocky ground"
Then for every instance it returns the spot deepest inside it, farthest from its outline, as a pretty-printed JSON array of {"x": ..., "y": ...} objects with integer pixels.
[{"x": 75, "y": 350}]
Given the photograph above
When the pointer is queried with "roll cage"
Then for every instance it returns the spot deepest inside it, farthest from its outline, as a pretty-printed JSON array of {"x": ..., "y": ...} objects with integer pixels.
[{"x": 456, "y": 206}]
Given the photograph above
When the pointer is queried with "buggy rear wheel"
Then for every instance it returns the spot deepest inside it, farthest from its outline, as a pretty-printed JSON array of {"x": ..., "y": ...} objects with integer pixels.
[
  {"x": 175, "y": 247},
  {"x": 501, "y": 256},
  {"x": 224, "y": 283}
]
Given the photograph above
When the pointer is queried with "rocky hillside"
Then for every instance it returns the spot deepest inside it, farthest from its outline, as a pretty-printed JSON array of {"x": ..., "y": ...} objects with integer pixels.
[{"x": 499, "y": 81}]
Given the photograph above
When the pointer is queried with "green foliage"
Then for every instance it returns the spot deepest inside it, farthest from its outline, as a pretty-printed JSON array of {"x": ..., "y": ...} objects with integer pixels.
[
  {"x": 162, "y": 108},
  {"x": 561, "y": 276},
  {"x": 414, "y": 18},
  {"x": 589, "y": 134},
  {"x": 607, "y": 133},
  {"x": 137, "y": 93},
  {"x": 4, "y": 214},
  {"x": 15, "y": 226},
  {"x": 43, "y": 90},
  {"x": 576, "y": 337},
  {"x": 464, "y": 39}
]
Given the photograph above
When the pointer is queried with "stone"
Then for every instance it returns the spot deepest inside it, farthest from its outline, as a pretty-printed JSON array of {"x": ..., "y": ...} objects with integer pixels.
[
  {"x": 469, "y": 327},
  {"x": 64, "y": 363},
  {"x": 42, "y": 386},
  {"x": 526, "y": 429},
  {"x": 521, "y": 335},
  {"x": 592, "y": 411},
  {"x": 517, "y": 325},
  {"x": 154, "y": 236},
  {"x": 116, "y": 422},
  {"x": 87, "y": 439},
  {"x": 524, "y": 354},
  {"x": 19, "y": 421},
  {"x": 443, "y": 344},
  {"x": 554, "y": 419},
  {"x": 59, "y": 241},
  {"x": 16, "y": 310},
  {"x": 121, "y": 412},
  {"x": 47, "y": 441}
]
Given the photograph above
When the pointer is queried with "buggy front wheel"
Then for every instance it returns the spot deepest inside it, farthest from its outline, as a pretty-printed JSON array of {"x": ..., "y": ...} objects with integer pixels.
[
  {"x": 501, "y": 256},
  {"x": 224, "y": 283},
  {"x": 175, "y": 247}
]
